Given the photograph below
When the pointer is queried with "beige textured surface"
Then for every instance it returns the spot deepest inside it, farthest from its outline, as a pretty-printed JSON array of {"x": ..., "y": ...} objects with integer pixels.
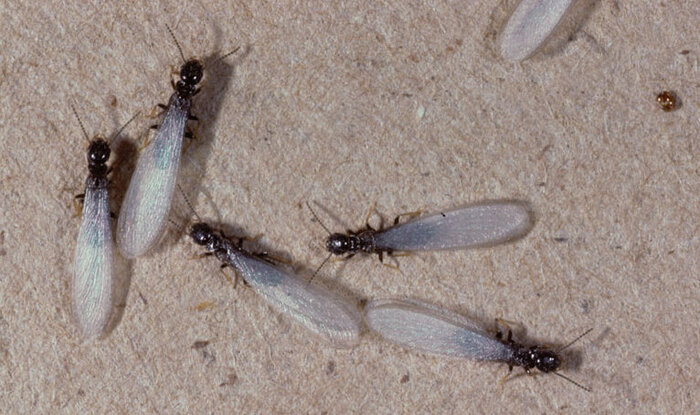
[{"x": 325, "y": 106}]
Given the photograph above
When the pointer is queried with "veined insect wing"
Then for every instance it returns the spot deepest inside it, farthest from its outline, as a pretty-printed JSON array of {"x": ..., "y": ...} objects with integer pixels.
[
  {"x": 93, "y": 266},
  {"x": 477, "y": 225},
  {"x": 530, "y": 25}
]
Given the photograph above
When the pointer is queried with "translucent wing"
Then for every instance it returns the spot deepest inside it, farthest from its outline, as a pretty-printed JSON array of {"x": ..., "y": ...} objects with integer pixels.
[
  {"x": 146, "y": 205},
  {"x": 419, "y": 326},
  {"x": 468, "y": 227},
  {"x": 94, "y": 264},
  {"x": 318, "y": 309},
  {"x": 530, "y": 25}
]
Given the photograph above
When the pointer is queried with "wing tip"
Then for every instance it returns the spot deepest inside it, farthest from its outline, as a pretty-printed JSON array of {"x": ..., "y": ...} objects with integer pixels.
[
  {"x": 519, "y": 216},
  {"x": 530, "y": 26}
]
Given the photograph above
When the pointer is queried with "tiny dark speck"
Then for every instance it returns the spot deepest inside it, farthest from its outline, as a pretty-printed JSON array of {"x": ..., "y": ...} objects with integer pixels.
[
  {"x": 426, "y": 174},
  {"x": 330, "y": 368},
  {"x": 443, "y": 215},
  {"x": 685, "y": 52},
  {"x": 200, "y": 344},
  {"x": 585, "y": 306},
  {"x": 81, "y": 392},
  {"x": 640, "y": 359},
  {"x": 405, "y": 378},
  {"x": 541, "y": 184},
  {"x": 208, "y": 357},
  {"x": 618, "y": 246},
  {"x": 560, "y": 239}
]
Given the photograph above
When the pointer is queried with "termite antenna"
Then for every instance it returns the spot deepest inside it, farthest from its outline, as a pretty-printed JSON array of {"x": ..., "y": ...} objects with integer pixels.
[
  {"x": 176, "y": 43},
  {"x": 319, "y": 267},
  {"x": 189, "y": 205},
  {"x": 587, "y": 389},
  {"x": 82, "y": 127},
  {"x": 115, "y": 135},
  {"x": 575, "y": 340},
  {"x": 320, "y": 223},
  {"x": 226, "y": 55},
  {"x": 177, "y": 225}
]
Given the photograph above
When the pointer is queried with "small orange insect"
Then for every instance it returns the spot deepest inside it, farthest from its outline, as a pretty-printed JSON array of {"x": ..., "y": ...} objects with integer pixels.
[{"x": 668, "y": 101}]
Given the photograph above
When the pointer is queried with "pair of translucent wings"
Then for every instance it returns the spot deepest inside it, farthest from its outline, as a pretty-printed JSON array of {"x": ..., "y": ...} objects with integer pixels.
[
  {"x": 530, "y": 25},
  {"x": 144, "y": 212},
  {"x": 93, "y": 265},
  {"x": 473, "y": 226},
  {"x": 426, "y": 328},
  {"x": 316, "y": 308}
]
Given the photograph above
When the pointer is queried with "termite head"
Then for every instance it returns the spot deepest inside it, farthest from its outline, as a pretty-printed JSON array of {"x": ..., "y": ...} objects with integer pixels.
[
  {"x": 191, "y": 74},
  {"x": 97, "y": 155},
  {"x": 542, "y": 359},
  {"x": 545, "y": 360},
  {"x": 203, "y": 234},
  {"x": 338, "y": 244}
]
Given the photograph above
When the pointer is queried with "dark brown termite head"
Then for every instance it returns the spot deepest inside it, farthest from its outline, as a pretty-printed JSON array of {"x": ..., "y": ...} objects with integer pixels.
[
  {"x": 191, "y": 74},
  {"x": 202, "y": 234},
  {"x": 339, "y": 244},
  {"x": 97, "y": 155},
  {"x": 544, "y": 360},
  {"x": 536, "y": 357}
]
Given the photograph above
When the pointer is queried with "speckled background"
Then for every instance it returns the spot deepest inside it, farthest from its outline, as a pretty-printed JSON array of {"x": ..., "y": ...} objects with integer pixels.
[{"x": 406, "y": 104}]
